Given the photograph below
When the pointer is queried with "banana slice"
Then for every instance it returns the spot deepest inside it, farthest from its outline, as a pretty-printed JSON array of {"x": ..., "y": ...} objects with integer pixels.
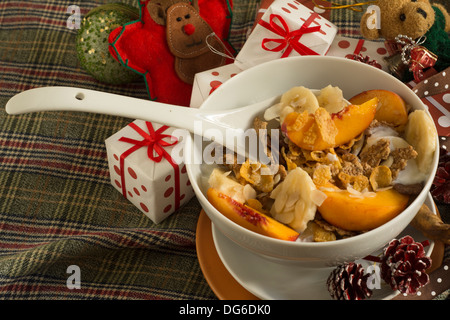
[
  {"x": 220, "y": 181},
  {"x": 331, "y": 99},
  {"x": 421, "y": 134},
  {"x": 296, "y": 200},
  {"x": 301, "y": 99},
  {"x": 298, "y": 99}
]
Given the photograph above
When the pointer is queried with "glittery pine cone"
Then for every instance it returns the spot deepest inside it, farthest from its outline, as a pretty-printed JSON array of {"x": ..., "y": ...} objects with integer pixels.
[
  {"x": 348, "y": 282},
  {"x": 403, "y": 265},
  {"x": 440, "y": 190}
]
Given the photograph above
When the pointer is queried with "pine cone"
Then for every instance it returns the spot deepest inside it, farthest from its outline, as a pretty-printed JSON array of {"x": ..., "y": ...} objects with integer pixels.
[
  {"x": 440, "y": 190},
  {"x": 403, "y": 265},
  {"x": 348, "y": 282}
]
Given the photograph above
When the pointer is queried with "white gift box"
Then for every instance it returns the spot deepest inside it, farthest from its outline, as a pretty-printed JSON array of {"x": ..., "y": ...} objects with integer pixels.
[
  {"x": 287, "y": 28},
  {"x": 373, "y": 51},
  {"x": 143, "y": 168},
  {"x": 207, "y": 81}
]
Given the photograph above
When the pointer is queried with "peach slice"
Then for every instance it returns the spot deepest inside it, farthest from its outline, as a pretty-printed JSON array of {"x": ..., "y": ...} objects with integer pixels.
[
  {"x": 391, "y": 107},
  {"x": 347, "y": 211},
  {"x": 250, "y": 218},
  {"x": 306, "y": 131}
]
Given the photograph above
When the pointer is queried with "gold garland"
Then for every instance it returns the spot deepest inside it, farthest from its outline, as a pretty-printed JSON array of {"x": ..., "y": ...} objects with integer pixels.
[{"x": 335, "y": 6}]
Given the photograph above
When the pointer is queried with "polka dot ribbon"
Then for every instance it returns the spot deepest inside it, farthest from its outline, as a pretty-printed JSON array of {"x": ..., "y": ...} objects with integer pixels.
[
  {"x": 289, "y": 39},
  {"x": 155, "y": 143}
]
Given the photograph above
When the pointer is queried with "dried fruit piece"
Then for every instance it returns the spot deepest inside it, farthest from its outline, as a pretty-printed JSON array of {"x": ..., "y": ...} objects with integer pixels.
[
  {"x": 409, "y": 189},
  {"x": 431, "y": 225}
]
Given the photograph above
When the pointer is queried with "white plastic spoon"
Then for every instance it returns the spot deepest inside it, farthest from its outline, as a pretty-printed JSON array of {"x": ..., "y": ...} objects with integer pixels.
[{"x": 227, "y": 123}]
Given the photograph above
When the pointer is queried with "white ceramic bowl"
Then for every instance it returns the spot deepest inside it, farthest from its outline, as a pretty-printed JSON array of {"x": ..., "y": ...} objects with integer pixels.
[{"x": 274, "y": 78}]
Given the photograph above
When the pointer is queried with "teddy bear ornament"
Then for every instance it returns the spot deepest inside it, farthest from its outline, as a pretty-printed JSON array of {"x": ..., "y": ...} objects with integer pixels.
[{"x": 415, "y": 33}]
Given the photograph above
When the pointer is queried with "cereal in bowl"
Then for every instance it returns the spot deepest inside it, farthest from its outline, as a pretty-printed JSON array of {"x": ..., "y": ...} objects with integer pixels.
[{"x": 342, "y": 166}]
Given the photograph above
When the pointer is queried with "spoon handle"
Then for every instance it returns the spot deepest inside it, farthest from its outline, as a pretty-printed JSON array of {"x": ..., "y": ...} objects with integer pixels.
[
  {"x": 85, "y": 100},
  {"x": 224, "y": 127}
]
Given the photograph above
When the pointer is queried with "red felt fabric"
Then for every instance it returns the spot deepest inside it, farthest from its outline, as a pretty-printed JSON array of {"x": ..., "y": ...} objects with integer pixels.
[{"x": 141, "y": 46}]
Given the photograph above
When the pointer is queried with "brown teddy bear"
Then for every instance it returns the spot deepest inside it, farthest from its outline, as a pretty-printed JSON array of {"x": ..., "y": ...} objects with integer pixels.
[{"x": 412, "y": 18}]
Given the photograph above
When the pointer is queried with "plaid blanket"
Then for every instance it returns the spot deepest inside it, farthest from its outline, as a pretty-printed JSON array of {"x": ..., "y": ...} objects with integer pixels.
[{"x": 59, "y": 213}]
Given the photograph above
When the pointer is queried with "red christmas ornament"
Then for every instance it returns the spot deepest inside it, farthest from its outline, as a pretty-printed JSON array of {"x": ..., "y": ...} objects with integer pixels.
[
  {"x": 415, "y": 56},
  {"x": 403, "y": 265},
  {"x": 421, "y": 58}
]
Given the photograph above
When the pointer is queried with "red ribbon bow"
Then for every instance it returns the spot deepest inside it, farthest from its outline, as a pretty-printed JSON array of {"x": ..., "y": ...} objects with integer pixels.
[
  {"x": 290, "y": 39},
  {"x": 153, "y": 140},
  {"x": 155, "y": 151}
]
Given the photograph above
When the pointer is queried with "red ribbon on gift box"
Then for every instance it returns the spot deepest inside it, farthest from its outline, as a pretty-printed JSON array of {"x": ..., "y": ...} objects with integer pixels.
[
  {"x": 155, "y": 152},
  {"x": 290, "y": 39}
]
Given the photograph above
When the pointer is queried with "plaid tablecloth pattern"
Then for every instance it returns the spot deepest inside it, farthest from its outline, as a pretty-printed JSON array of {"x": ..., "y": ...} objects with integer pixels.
[{"x": 57, "y": 206}]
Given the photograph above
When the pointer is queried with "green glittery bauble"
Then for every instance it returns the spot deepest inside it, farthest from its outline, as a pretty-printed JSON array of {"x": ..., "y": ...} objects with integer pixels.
[{"x": 92, "y": 43}]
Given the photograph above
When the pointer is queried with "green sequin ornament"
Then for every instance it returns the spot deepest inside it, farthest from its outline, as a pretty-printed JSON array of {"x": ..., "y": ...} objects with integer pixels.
[{"x": 92, "y": 42}]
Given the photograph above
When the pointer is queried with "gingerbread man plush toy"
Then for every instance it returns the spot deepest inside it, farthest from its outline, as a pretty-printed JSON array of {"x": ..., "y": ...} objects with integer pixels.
[{"x": 416, "y": 23}]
